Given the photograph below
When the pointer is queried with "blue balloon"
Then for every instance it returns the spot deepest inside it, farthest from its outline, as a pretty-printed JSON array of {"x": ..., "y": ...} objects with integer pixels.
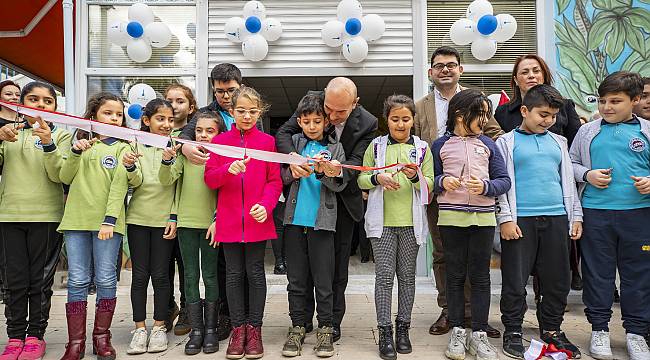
[
  {"x": 353, "y": 26},
  {"x": 253, "y": 24},
  {"x": 487, "y": 24},
  {"x": 135, "y": 111},
  {"x": 135, "y": 29}
]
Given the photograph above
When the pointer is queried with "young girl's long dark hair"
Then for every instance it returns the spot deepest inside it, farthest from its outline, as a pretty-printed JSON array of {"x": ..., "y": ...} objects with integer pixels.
[
  {"x": 92, "y": 108},
  {"x": 467, "y": 104},
  {"x": 152, "y": 108}
]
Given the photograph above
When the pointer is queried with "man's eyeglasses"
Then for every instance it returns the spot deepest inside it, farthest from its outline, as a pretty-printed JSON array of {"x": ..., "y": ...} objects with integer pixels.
[
  {"x": 449, "y": 66},
  {"x": 251, "y": 112},
  {"x": 222, "y": 92}
]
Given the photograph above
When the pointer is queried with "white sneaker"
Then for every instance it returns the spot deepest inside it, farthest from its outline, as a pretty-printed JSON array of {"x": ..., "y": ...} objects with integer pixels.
[
  {"x": 138, "y": 343},
  {"x": 478, "y": 345},
  {"x": 158, "y": 339},
  {"x": 456, "y": 348},
  {"x": 637, "y": 348},
  {"x": 599, "y": 347}
]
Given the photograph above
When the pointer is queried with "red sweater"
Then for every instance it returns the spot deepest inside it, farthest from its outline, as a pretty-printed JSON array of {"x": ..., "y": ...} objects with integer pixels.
[{"x": 260, "y": 184}]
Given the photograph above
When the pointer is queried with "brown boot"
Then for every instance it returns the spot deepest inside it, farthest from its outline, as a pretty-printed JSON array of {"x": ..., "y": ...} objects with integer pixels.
[
  {"x": 441, "y": 326},
  {"x": 102, "y": 346},
  {"x": 75, "y": 312}
]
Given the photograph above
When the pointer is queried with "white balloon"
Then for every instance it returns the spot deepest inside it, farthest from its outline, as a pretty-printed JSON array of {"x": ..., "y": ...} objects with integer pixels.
[
  {"x": 254, "y": 8},
  {"x": 235, "y": 29},
  {"x": 255, "y": 48},
  {"x": 131, "y": 123},
  {"x": 116, "y": 33},
  {"x": 355, "y": 50},
  {"x": 333, "y": 33},
  {"x": 158, "y": 34},
  {"x": 116, "y": 57},
  {"x": 483, "y": 48},
  {"x": 506, "y": 28},
  {"x": 139, "y": 50},
  {"x": 463, "y": 32},
  {"x": 349, "y": 9},
  {"x": 372, "y": 27},
  {"x": 479, "y": 8},
  {"x": 141, "y": 13},
  {"x": 141, "y": 94},
  {"x": 271, "y": 29}
]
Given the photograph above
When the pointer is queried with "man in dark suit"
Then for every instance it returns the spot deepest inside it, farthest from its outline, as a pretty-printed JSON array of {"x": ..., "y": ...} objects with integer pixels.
[{"x": 354, "y": 128}]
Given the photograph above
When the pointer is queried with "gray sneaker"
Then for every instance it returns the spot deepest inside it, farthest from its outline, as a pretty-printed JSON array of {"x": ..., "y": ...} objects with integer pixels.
[
  {"x": 138, "y": 343},
  {"x": 637, "y": 348},
  {"x": 456, "y": 348},
  {"x": 295, "y": 338},
  {"x": 324, "y": 346},
  {"x": 479, "y": 346},
  {"x": 599, "y": 347},
  {"x": 158, "y": 339}
]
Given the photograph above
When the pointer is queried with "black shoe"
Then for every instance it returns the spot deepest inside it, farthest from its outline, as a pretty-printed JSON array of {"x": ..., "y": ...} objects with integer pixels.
[
  {"x": 386, "y": 344},
  {"x": 492, "y": 332},
  {"x": 210, "y": 333},
  {"x": 617, "y": 297},
  {"x": 225, "y": 327},
  {"x": 92, "y": 289},
  {"x": 560, "y": 341},
  {"x": 402, "y": 340},
  {"x": 365, "y": 259},
  {"x": 280, "y": 269},
  {"x": 576, "y": 281},
  {"x": 172, "y": 314},
  {"x": 195, "y": 314},
  {"x": 512, "y": 345},
  {"x": 336, "y": 333},
  {"x": 309, "y": 327},
  {"x": 182, "y": 326}
]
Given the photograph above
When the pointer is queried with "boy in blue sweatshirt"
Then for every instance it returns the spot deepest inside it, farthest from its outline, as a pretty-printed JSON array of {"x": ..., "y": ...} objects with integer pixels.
[{"x": 611, "y": 163}]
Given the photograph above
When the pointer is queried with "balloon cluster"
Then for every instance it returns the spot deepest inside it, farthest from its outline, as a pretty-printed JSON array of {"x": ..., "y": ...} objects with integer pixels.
[
  {"x": 140, "y": 33},
  {"x": 253, "y": 31},
  {"x": 352, "y": 30},
  {"x": 139, "y": 96},
  {"x": 483, "y": 29}
]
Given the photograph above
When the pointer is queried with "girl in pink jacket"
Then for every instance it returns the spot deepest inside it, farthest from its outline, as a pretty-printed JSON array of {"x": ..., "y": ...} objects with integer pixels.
[{"x": 249, "y": 189}]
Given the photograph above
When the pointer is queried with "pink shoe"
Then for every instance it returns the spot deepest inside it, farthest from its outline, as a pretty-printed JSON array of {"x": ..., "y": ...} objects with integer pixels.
[
  {"x": 12, "y": 350},
  {"x": 34, "y": 349}
]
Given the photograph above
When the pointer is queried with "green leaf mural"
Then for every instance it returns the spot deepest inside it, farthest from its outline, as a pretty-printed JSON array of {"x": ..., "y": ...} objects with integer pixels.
[{"x": 597, "y": 37}]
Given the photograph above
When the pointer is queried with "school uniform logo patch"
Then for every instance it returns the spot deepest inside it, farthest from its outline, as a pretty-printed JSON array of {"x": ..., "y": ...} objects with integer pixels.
[
  {"x": 413, "y": 155},
  {"x": 637, "y": 144},
  {"x": 480, "y": 151},
  {"x": 109, "y": 162},
  {"x": 38, "y": 144},
  {"x": 326, "y": 154}
]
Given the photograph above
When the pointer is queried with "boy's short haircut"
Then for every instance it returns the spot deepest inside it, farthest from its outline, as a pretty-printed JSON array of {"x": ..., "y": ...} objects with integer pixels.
[
  {"x": 310, "y": 104},
  {"x": 445, "y": 51},
  {"x": 225, "y": 72},
  {"x": 622, "y": 81},
  {"x": 543, "y": 95}
]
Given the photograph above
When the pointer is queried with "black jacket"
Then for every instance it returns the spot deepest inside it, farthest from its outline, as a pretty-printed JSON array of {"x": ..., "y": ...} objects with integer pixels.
[
  {"x": 566, "y": 124},
  {"x": 359, "y": 130}
]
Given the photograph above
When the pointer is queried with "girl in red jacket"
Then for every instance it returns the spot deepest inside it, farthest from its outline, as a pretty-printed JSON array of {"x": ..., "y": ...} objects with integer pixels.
[{"x": 248, "y": 192}]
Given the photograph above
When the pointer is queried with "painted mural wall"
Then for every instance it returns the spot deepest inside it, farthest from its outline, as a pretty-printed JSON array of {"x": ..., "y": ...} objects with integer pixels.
[{"x": 595, "y": 38}]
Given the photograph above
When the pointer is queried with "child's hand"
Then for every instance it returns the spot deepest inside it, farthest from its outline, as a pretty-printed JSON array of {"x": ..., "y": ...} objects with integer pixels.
[
  {"x": 9, "y": 132},
  {"x": 83, "y": 144},
  {"x": 238, "y": 166},
  {"x": 300, "y": 171},
  {"x": 194, "y": 154},
  {"x": 209, "y": 235},
  {"x": 475, "y": 186},
  {"x": 451, "y": 183},
  {"x": 170, "y": 230},
  {"x": 642, "y": 184},
  {"x": 43, "y": 131},
  {"x": 258, "y": 212},
  {"x": 599, "y": 178},
  {"x": 170, "y": 152},
  {"x": 510, "y": 231},
  {"x": 105, "y": 232},
  {"x": 410, "y": 172},
  {"x": 332, "y": 168},
  {"x": 576, "y": 230},
  {"x": 386, "y": 180},
  {"x": 130, "y": 158}
]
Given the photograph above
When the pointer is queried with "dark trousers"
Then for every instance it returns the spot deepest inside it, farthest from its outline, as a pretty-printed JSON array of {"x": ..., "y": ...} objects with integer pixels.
[
  {"x": 176, "y": 258},
  {"x": 221, "y": 281},
  {"x": 310, "y": 256},
  {"x": 611, "y": 238},
  {"x": 439, "y": 266},
  {"x": 150, "y": 255},
  {"x": 245, "y": 260},
  {"x": 467, "y": 253},
  {"x": 199, "y": 261},
  {"x": 544, "y": 250},
  {"x": 278, "y": 244},
  {"x": 29, "y": 253}
]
